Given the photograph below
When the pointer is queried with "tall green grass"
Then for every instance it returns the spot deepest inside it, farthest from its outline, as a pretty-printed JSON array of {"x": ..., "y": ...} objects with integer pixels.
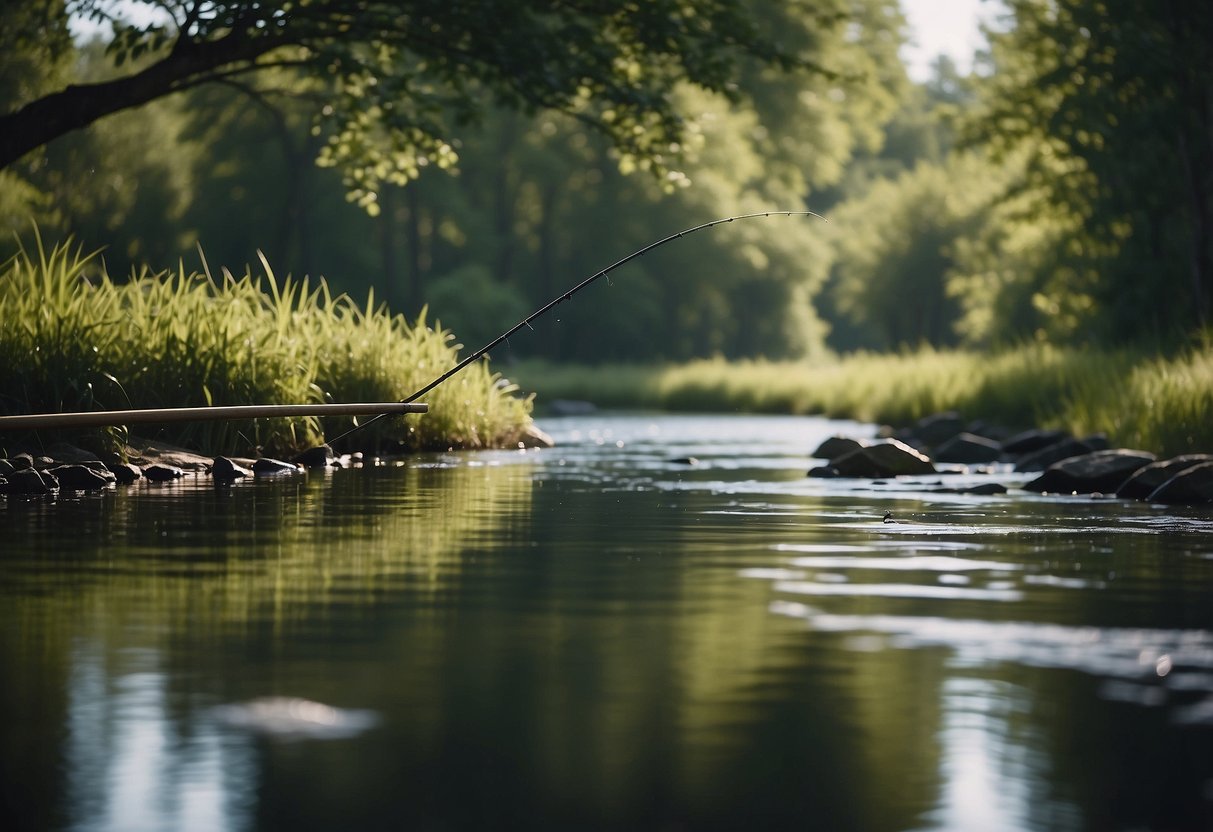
[
  {"x": 1160, "y": 404},
  {"x": 73, "y": 339}
]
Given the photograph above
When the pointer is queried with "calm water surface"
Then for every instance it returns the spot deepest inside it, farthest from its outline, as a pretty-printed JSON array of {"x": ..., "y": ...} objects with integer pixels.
[{"x": 600, "y": 636}]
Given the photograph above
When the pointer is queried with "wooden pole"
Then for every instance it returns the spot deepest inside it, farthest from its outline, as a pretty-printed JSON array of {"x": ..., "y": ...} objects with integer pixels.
[{"x": 104, "y": 418}]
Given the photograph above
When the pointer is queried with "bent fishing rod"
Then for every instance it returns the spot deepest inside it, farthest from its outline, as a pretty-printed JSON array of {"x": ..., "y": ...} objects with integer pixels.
[{"x": 552, "y": 304}]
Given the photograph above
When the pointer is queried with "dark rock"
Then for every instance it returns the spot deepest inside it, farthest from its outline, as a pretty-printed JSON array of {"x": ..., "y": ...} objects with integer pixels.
[
  {"x": 988, "y": 430},
  {"x": 837, "y": 446},
  {"x": 1190, "y": 486},
  {"x": 968, "y": 449},
  {"x": 320, "y": 456},
  {"x": 1098, "y": 471},
  {"x": 532, "y": 437},
  {"x": 1145, "y": 481},
  {"x": 76, "y": 477},
  {"x": 6, "y": 467},
  {"x": 937, "y": 428},
  {"x": 984, "y": 488},
  {"x": 159, "y": 472},
  {"x": 889, "y": 458},
  {"x": 152, "y": 453},
  {"x": 1042, "y": 458},
  {"x": 225, "y": 470},
  {"x": 124, "y": 472},
  {"x": 41, "y": 463},
  {"x": 825, "y": 472},
  {"x": 1030, "y": 441},
  {"x": 29, "y": 481},
  {"x": 684, "y": 460},
  {"x": 71, "y": 455},
  {"x": 271, "y": 467},
  {"x": 20, "y": 462}
]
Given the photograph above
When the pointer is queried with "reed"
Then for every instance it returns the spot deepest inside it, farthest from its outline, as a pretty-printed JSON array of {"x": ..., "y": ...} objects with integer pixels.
[
  {"x": 1162, "y": 404},
  {"x": 74, "y": 339}
]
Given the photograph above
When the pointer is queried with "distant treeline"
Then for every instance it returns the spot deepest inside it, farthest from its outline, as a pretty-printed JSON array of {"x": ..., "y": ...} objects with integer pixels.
[{"x": 1064, "y": 193}]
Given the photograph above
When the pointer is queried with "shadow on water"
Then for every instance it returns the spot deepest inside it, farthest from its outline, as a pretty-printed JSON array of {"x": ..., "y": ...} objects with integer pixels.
[{"x": 659, "y": 624}]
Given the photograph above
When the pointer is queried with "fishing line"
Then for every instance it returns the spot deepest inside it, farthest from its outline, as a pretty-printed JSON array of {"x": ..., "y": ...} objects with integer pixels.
[{"x": 552, "y": 304}]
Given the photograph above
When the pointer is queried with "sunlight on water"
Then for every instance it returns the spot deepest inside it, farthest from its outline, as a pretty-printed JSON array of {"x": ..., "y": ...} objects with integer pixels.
[{"x": 661, "y": 623}]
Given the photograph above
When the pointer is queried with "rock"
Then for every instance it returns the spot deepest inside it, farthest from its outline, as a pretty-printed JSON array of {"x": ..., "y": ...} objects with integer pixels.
[
  {"x": 989, "y": 430},
  {"x": 1098, "y": 471},
  {"x": 159, "y": 472},
  {"x": 148, "y": 453},
  {"x": 81, "y": 477},
  {"x": 1190, "y": 486},
  {"x": 685, "y": 460},
  {"x": 984, "y": 488},
  {"x": 1145, "y": 481},
  {"x": 533, "y": 437},
  {"x": 1031, "y": 441},
  {"x": 21, "y": 461},
  {"x": 6, "y": 467},
  {"x": 124, "y": 472},
  {"x": 825, "y": 472},
  {"x": 837, "y": 446},
  {"x": 71, "y": 455},
  {"x": 320, "y": 456},
  {"x": 225, "y": 470},
  {"x": 273, "y": 467},
  {"x": 1068, "y": 447},
  {"x": 968, "y": 449},
  {"x": 937, "y": 428},
  {"x": 29, "y": 481},
  {"x": 889, "y": 458}
]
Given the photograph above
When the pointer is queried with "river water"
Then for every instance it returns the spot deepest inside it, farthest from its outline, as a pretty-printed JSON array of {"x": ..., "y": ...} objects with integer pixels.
[{"x": 604, "y": 636}]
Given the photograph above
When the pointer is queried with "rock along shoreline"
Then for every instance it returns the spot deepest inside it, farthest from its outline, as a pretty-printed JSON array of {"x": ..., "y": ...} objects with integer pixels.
[{"x": 1063, "y": 464}]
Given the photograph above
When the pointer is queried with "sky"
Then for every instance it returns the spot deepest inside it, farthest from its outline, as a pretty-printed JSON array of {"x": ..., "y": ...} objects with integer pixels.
[{"x": 944, "y": 26}]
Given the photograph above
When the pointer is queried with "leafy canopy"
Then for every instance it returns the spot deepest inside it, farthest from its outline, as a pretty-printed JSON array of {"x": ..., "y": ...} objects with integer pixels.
[{"x": 391, "y": 79}]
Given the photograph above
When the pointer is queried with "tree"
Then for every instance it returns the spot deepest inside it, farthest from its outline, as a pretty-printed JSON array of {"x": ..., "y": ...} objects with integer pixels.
[
  {"x": 397, "y": 76},
  {"x": 1111, "y": 104}
]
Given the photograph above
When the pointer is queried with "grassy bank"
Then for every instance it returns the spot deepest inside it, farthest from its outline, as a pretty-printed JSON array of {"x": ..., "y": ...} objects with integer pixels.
[
  {"x": 73, "y": 339},
  {"x": 1159, "y": 404}
]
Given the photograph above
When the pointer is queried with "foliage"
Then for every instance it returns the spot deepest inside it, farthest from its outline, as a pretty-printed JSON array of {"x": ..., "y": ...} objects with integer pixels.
[
  {"x": 1109, "y": 103},
  {"x": 1034, "y": 385},
  {"x": 81, "y": 341}
]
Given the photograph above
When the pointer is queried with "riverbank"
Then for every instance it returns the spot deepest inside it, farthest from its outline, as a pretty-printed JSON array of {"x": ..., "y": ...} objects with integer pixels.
[
  {"x": 74, "y": 339},
  {"x": 1160, "y": 404}
]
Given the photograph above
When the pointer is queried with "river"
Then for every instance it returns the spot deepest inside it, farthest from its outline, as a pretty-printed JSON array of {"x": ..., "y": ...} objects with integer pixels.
[{"x": 660, "y": 624}]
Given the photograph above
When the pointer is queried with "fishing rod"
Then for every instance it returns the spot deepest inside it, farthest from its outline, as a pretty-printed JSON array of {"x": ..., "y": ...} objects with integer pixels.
[{"x": 552, "y": 304}]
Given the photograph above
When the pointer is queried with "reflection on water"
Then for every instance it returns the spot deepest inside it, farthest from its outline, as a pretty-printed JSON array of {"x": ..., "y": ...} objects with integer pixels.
[{"x": 604, "y": 635}]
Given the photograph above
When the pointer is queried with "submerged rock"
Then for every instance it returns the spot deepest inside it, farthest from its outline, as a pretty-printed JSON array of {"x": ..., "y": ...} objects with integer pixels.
[
  {"x": 968, "y": 449},
  {"x": 225, "y": 470},
  {"x": 29, "y": 481},
  {"x": 837, "y": 446},
  {"x": 1191, "y": 486},
  {"x": 889, "y": 458},
  {"x": 320, "y": 456},
  {"x": 1099, "y": 471},
  {"x": 274, "y": 467},
  {"x": 158, "y": 472},
  {"x": 81, "y": 477},
  {"x": 1145, "y": 481},
  {"x": 124, "y": 472}
]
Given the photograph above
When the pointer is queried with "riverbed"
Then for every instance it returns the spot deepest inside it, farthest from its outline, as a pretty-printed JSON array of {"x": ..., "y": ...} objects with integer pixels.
[{"x": 661, "y": 623}]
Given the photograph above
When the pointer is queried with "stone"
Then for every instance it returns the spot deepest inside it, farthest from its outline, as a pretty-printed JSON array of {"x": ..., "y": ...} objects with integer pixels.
[
  {"x": 937, "y": 428},
  {"x": 320, "y": 456},
  {"x": 824, "y": 472},
  {"x": 6, "y": 467},
  {"x": 890, "y": 458},
  {"x": 968, "y": 449},
  {"x": 70, "y": 454},
  {"x": 837, "y": 446},
  {"x": 984, "y": 488},
  {"x": 1145, "y": 481},
  {"x": 273, "y": 467},
  {"x": 1191, "y": 486},
  {"x": 29, "y": 481},
  {"x": 21, "y": 461},
  {"x": 1033, "y": 440},
  {"x": 1095, "y": 472},
  {"x": 1042, "y": 458},
  {"x": 533, "y": 437},
  {"x": 225, "y": 470},
  {"x": 75, "y": 477},
  {"x": 124, "y": 472},
  {"x": 159, "y": 472},
  {"x": 147, "y": 453}
]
